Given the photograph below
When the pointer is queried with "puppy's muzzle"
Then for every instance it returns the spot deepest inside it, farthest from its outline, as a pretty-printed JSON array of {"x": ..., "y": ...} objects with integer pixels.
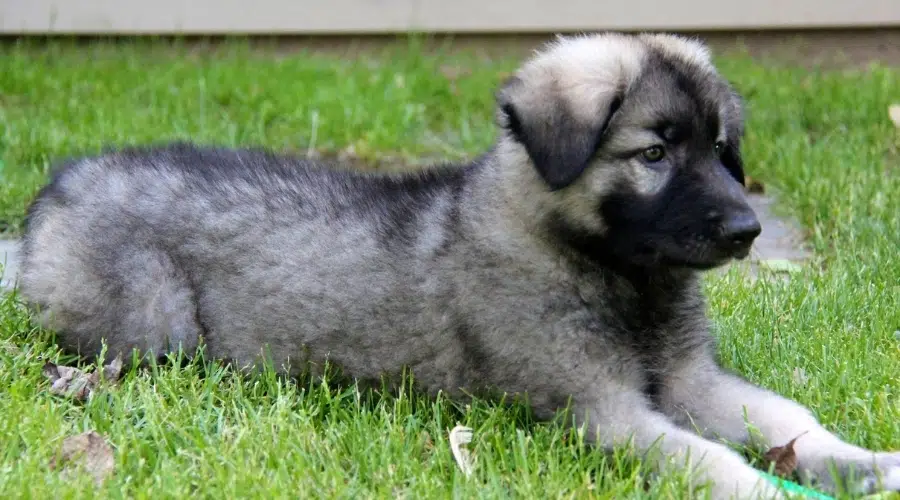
[{"x": 739, "y": 230}]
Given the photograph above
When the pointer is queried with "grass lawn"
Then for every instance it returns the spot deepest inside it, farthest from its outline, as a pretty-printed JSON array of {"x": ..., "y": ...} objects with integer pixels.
[{"x": 822, "y": 139}]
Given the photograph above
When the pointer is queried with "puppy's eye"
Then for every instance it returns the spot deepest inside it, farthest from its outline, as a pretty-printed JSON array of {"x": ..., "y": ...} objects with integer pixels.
[
  {"x": 720, "y": 148},
  {"x": 653, "y": 154}
]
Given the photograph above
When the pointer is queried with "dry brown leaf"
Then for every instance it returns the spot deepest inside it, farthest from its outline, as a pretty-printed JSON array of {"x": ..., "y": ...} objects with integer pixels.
[
  {"x": 453, "y": 73},
  {"x": 113, "y": 371},
  {"x": 69, "y": 381},
  {"x": 348, "y": 154},
  {"x": 88, "y": 453},
  {"x": 426, "y": 438},
  {"x": 799, "y": 376},
  {"x": 754, "y": 185},
  {"x": 785, "y": 457},
  {"x": 894, "y": 113},
  {"x": 74, "y": 383}
]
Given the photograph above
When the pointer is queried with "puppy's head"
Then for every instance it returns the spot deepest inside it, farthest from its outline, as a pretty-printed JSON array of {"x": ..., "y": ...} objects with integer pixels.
[{"x": 636, "y": 141}]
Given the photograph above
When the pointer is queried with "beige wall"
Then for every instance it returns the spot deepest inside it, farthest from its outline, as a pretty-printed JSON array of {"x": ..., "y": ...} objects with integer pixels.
[{"x": 462, "y": 16}]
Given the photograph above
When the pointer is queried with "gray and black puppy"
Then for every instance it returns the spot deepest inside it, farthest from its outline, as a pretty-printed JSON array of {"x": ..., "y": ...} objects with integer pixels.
[{"x": 563, "y": 263}]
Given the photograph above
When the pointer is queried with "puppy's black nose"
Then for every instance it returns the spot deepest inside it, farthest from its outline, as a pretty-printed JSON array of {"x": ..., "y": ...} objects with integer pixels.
[{"x": 741, "y": 228}]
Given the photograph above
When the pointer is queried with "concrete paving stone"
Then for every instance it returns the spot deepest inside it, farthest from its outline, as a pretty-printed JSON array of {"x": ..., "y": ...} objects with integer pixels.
[
  {"x": 780, "y": 239},
  {"x": 9, "y": 263}
]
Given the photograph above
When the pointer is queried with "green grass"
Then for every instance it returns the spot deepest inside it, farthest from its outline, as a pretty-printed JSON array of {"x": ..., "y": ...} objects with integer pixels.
[{"x": 822, "y": 139}]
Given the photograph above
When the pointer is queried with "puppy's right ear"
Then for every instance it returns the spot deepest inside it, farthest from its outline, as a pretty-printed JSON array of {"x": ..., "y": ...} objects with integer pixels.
[{"x": 559, "y": 145}]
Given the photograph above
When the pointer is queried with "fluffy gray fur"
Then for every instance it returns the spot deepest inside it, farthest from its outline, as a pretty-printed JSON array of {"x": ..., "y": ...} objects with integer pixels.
[{"x": 563, "y": 263}]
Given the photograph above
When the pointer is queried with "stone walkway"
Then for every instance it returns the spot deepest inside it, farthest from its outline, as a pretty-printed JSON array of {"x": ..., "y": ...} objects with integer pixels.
[
  {"x": 780, "y": 241},
  {"x": 9, "y": 262}
]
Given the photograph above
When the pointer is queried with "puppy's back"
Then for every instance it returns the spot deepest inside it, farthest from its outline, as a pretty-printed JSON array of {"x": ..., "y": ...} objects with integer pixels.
[{"x": 148, "y": 248}]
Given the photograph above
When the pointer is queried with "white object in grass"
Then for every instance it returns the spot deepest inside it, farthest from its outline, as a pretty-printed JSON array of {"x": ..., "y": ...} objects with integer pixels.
[
  {"x": 894, "y": 113},
  {"x": 459, "y": 436}
]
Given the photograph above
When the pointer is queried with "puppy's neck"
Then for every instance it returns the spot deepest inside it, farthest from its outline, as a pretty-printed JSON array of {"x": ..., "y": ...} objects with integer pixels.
[
  {"x": 512, "y": 188},
  {"x": 507, "y": 202}
]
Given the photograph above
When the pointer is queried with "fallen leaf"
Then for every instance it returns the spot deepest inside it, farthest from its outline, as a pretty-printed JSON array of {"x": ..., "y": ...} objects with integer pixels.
[
  {"x": 799, "y": 376},
  {"x": 348, "y": 154},
  {"x": 113, "y": 371},
  {"x": 426, "y": 438},
  {"x": 754, "y": 186},
  {"x": 894, "y": 113},
  {"x": 88, "y": 452},
  {"x": 71, "y": 382},
  {"x": 459, "y": 436},
  {"x": 781, "y": 266},
  {"x": 453, "y": 73},
  {"x": 785, "y": 457}
]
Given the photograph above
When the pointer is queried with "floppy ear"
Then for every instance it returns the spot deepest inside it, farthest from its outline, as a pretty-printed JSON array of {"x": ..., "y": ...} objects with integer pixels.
[
  {"x": 734, "y": 126},
  {"x": 559, "y": 145}
]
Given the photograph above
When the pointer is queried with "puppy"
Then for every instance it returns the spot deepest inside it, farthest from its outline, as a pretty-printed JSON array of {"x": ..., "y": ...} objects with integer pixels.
[{"x": 563, "y": 264}]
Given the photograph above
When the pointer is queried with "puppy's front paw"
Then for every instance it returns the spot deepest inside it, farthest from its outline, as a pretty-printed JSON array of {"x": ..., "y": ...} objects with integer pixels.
[
  {"x": 876, "y": 473},
  {"x": 885, "y": 475}
]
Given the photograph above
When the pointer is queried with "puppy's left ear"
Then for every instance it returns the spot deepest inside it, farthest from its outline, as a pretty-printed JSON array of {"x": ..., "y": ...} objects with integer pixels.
[
  {"x": 558, "y": 143},
  {"x": 734, "y": 125}
]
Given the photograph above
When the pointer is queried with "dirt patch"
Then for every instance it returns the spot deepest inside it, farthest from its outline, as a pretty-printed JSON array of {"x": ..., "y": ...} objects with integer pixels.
[
  {"x": 829, "y": 48},
  {"x": 383, "y": 162},
  {"x": 823, "y": 48}
]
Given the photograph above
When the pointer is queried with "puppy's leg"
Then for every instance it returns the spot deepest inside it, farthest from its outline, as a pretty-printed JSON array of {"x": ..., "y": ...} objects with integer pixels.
[
  {"x": 700, "y": 394},
  {"x": 624, "y": 417},
  {"x": 130, "y": 296}
]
